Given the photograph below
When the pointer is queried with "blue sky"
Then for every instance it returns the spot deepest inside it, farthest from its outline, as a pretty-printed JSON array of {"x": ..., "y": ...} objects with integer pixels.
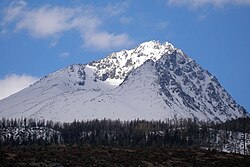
[{"x": 40, "y": 37}]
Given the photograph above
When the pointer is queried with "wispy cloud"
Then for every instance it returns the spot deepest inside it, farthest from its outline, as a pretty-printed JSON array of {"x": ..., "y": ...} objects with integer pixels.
[
  {"x": 104, "y": 40},
  {"x": 13, "y": 11},
  {"x": 126, "y": 20},
  {"x": 201, "y": 17},
  {"x": 115, "y": 9},
  {"x": 64, "y": 55},
  {"x": 13, "y": 83},
  {"x": 49, "y": 21},
  {"x": 54, "y": 41},
  {"x": 162, "y": 25},
  {"x": 194, "y": 4}
]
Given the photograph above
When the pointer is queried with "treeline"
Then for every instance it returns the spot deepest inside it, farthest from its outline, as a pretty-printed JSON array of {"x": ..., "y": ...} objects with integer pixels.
[
  {"x": 169, "y": 133},
  {"x": 130, "y": 133},
  {"x": 240, "y": 125}
]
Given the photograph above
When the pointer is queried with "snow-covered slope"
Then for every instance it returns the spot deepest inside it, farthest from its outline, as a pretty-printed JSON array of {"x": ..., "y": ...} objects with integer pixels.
[{"x": 152, "y": 81}]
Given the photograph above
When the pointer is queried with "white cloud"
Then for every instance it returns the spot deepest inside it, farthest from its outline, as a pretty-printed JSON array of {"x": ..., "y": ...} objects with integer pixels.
[
  {"x": 46, "y": 21},
  {"x": 13, "y": 83},
  {"x": 200, "y": 3},
  {"x": 50, "y": 21},
  {"x": 64, "y": 55}
]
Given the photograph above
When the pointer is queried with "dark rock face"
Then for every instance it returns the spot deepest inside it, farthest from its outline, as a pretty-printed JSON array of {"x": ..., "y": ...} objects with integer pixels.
[
  {"x": 181, "y": 78},
  {"x": 79, "y": 70}
]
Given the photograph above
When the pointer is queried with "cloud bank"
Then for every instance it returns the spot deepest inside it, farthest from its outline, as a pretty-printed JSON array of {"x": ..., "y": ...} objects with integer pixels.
[
  {"x": 13, "y": 83},
  {"x": 49, "y": 21}
]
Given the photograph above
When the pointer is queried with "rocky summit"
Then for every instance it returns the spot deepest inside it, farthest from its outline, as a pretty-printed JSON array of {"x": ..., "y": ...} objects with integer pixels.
[{"x": 154, "y": 81}]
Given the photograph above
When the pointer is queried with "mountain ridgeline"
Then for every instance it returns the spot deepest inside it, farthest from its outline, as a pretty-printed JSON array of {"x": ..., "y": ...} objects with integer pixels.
[{"x": 154, "y": 81}]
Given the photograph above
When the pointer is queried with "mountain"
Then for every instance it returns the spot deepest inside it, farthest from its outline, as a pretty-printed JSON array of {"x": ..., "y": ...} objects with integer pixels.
[{"x": 153, "y": 81}]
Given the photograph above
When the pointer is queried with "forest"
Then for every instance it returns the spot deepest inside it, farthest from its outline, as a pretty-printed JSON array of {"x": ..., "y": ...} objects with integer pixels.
[
  {"x": 232, "y": 136},
  {"x": 31, "y": 142}
]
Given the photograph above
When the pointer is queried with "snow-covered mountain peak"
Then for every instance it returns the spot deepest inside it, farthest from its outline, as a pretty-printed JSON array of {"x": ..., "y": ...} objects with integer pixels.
[
  {"x": 118, "y": 65},
  {"x": 152, "y": 81},
  {"x": 153, "y": 50},
  {"x": 151, "y": 47}
]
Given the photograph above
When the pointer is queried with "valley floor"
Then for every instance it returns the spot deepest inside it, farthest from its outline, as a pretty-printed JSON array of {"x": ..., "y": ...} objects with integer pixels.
[{"x": 64, "y": 156}]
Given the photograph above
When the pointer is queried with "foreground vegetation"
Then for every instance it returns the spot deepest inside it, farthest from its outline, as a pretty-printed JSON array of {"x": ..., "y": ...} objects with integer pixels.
[{"x": 75, "y": 155}]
